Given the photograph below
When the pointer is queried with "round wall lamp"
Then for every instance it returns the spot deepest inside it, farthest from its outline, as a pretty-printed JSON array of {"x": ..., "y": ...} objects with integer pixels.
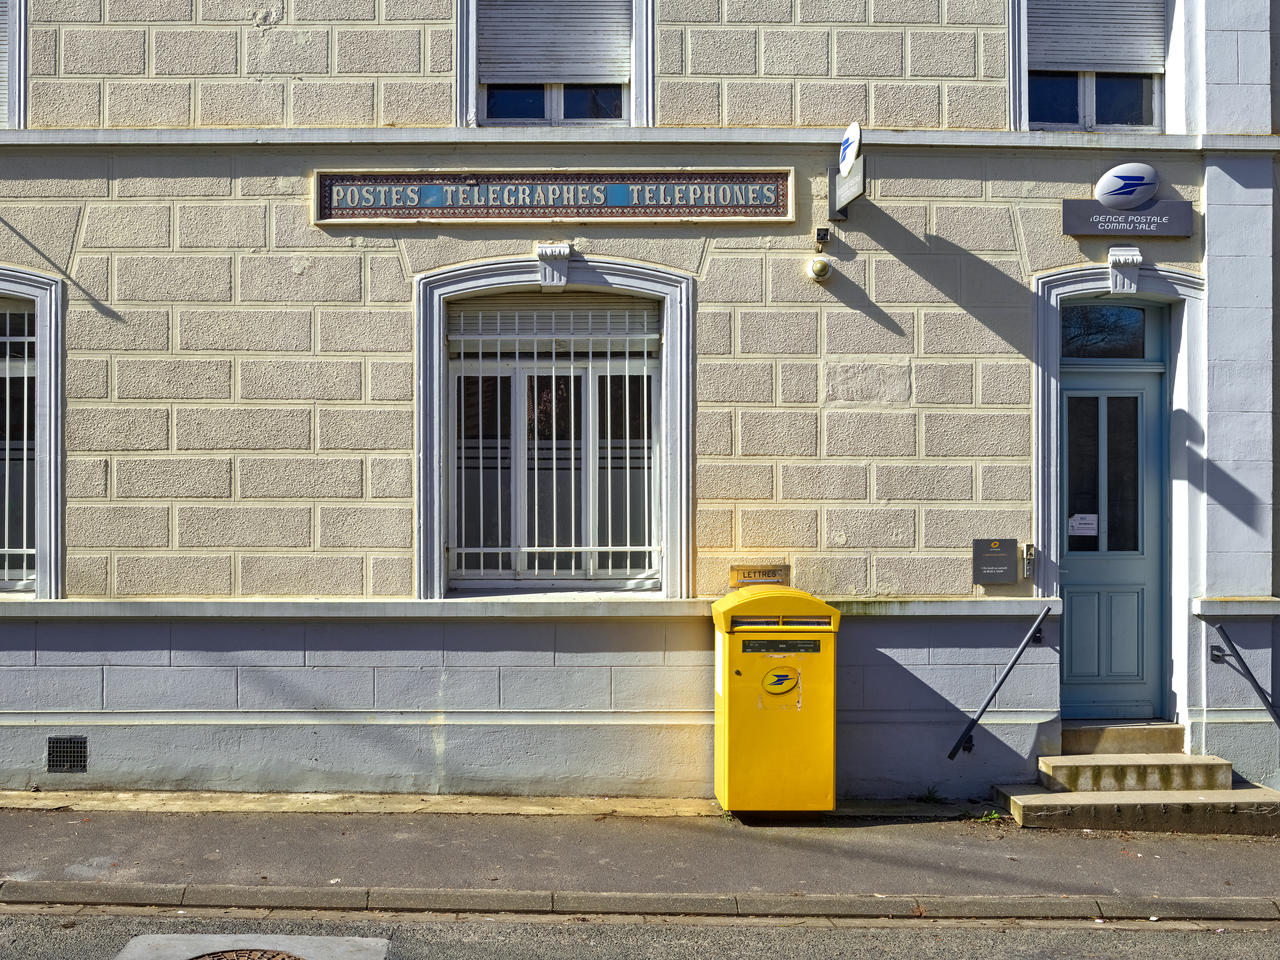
[{"x": 818, "y": 269}]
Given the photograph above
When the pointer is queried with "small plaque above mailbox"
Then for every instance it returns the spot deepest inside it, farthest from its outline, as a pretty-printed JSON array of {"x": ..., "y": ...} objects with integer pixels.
[
  {"x": 995, "y": 561},
  {"x": 741, "y": 575}
]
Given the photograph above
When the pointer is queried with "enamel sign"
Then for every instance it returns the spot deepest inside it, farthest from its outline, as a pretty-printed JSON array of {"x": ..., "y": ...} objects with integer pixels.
[{"x": 474, "y": 197}]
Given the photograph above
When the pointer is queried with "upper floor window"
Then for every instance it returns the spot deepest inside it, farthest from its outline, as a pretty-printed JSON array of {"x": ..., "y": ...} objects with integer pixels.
[
  {"x": 556, "y": 62},
  {"x": 1067, "y": 100},
  {"x": 1095, "y": 64}
]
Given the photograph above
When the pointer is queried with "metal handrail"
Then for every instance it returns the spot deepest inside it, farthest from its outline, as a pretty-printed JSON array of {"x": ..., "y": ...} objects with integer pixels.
[
  {"x": 1034, "y": 635},
  {"x": 1218, "y": 655}
]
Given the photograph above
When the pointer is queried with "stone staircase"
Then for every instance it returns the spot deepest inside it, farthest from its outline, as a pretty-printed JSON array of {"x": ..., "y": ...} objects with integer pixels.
[{"x": 1134, "y": 776}]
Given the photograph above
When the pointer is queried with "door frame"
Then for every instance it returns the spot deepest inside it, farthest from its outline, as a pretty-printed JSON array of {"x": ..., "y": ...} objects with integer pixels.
[{"x": 1182, "y": 295}]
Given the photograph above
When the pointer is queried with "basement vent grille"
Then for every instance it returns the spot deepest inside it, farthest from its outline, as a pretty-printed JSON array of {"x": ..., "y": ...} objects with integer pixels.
[{"x": 68, "y": 755}]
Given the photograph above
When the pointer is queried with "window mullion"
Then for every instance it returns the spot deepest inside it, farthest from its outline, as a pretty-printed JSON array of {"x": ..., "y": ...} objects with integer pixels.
[
  {"x": 520, "y": 467},
  {"x": 590, "y": 462},
  {"x": 1088, "y": 105}
]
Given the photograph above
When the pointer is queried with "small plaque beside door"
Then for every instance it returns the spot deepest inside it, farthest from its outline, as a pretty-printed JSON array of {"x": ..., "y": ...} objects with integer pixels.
[{"x": 995, "y": 561}]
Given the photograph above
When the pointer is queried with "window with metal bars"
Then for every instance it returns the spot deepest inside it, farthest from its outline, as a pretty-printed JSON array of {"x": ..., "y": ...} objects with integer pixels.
[
  {"x": 554, "y": 441},
  {"x": 18, "y": 371}
]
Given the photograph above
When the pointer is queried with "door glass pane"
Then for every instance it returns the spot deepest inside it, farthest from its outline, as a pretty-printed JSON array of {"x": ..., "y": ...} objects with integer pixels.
[
  {"x": 1103, "y": 331},
  {"x": 554, "y": 483},
  {"x": 1082, "y": 473},
  {"x": 1122, "y": 473},
  {"x": 484, "y": 473}
]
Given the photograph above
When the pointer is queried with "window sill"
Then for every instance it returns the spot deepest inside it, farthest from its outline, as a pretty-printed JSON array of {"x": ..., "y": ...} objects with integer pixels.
[{"x": 541, "y": 606}]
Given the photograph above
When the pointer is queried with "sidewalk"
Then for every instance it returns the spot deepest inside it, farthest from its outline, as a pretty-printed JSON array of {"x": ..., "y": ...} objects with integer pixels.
[{"x": 616, "y": 856}]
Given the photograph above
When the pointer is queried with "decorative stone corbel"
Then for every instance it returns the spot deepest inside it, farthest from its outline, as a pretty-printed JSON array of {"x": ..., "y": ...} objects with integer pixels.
[
  {"x": 1125, "y": 262},
  {"x": 554, "y": 261}
]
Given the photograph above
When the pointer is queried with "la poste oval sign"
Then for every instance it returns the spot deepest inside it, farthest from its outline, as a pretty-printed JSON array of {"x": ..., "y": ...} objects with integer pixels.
[{"x": 1127, "y": 186}]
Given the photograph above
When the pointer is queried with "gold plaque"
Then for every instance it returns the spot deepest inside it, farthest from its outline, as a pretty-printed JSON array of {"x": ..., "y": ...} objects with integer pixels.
[{"x": 743, "y": 575}]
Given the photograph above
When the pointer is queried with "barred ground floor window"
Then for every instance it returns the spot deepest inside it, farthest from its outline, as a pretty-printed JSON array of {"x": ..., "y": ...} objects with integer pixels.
[
  {"x": 554, "y": 446},
  {"x": 18, "y": 389}
]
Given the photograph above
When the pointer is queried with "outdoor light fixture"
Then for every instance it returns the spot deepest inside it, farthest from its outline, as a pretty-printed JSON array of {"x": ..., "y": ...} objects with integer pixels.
[{"x": 818, "y": 269}]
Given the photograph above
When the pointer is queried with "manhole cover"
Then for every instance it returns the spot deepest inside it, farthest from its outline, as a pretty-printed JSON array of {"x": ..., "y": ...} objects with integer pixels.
[{"x": 251, "y": 946}]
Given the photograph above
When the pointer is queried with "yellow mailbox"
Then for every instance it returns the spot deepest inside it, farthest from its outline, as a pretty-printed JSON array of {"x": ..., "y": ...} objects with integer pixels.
[{"x": 775, "y": 699}]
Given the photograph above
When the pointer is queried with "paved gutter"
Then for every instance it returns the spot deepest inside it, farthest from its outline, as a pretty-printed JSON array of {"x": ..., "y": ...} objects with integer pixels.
[{"x": 412, "y": 899}]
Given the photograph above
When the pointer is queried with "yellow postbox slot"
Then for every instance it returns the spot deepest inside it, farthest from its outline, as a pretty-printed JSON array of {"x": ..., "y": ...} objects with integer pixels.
[{"x": 775, "y": 680}]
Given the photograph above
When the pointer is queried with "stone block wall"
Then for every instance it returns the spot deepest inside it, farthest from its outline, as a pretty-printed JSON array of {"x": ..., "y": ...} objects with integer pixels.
[
  {"x": 241, "y": 383},
  {"x": 361, "y": 63},
  {"x": 219, "y": 63},
  {"x": 823, "y": 63},
  {"x": 866, "y": 430}
]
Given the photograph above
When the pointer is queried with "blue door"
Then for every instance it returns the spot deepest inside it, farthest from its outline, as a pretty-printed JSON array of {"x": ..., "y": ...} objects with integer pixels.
[{"x": 1112, "y": 470}]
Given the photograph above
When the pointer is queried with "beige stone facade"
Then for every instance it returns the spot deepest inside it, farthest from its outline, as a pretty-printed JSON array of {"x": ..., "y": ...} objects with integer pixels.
[
  {"x": 392, "y": 63},
  {"x": 241, "y": 384}
]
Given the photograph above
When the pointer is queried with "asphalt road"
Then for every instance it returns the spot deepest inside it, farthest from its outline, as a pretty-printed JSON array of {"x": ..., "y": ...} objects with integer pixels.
[
  {"x": 100, "y": 937},
  {"x": 639, "y": 854}
]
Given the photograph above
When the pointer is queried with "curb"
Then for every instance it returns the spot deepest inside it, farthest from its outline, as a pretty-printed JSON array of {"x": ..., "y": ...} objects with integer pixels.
[{"x": 414, "y": 899}]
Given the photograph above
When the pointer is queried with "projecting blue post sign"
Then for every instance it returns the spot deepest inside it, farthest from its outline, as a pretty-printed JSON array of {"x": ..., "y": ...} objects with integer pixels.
[{"x": 559, "y": 195}]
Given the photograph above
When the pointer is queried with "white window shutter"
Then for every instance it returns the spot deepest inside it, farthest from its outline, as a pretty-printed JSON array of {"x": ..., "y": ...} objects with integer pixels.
[
  {"x": 1099, "y": 35},
  {"x": 6, "y": 48},
  {"x": 553, "y": 41}
]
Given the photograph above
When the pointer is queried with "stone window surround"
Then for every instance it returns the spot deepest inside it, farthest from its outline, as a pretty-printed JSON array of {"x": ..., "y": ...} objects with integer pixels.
[
  {"x": 47, "y": 295},
  {"x": 642, "y": 64},
  {"x": 1182, "y": 293},
  {"x": 676, "y": 365}
]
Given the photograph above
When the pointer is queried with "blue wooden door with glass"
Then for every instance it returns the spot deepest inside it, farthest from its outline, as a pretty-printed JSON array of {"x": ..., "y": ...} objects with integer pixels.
[{"x": 1111, "y": 564}]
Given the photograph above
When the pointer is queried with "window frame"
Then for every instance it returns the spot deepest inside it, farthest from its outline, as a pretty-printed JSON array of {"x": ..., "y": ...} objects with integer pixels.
[
  {"x": 638, "y": 97},
  {"x": 674, "y": 432},
  {"x": 553, "y": 110},
  {"x": 517, "y": 367},
  {"x": 47, "y": 297},
  {"x": 1086, "y": 94}
]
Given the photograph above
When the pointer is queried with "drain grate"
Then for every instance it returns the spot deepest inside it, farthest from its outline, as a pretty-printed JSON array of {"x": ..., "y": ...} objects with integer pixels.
[
  {"x": 247, "y": 955},
  {"x": 68, "y": 755}
]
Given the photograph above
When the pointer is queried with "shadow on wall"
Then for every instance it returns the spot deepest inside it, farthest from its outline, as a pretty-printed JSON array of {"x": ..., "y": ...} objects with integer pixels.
[
  {"x": 1209, "y": 478},
  {"x": 937, "y": 271},
  {"x": 906, "y": 690}
]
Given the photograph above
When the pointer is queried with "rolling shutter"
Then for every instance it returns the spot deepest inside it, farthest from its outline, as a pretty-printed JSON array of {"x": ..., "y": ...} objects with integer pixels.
[
  {"x": 553, "y": 41},
  {"x": 6, "y": 44},
  {"x": 1099, "y": 35}
]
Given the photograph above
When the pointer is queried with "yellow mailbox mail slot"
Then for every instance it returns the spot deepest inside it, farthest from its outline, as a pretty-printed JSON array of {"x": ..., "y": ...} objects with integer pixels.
[{"x": 775, "y": 700}]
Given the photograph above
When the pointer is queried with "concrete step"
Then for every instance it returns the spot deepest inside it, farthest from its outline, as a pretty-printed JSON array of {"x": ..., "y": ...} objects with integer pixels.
[
  {"x": 1111, "y": 772},
  {"x": 1248, "y": 809},
  {"x": 1119, "y": 736}
]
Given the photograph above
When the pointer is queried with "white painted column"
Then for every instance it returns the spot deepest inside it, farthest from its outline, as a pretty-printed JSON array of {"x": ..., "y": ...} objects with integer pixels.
[{"x": 1238, "y": 432}]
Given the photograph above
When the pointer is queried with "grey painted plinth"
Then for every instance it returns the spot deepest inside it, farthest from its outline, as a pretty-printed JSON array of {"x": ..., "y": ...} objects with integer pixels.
[
  {"x": 187, "y": 946},
  {"x": 530, "y": 707}
]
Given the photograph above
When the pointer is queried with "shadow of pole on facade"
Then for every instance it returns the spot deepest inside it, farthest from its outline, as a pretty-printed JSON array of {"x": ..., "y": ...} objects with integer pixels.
[
  {"x": 101, "y": 307},
  {"x": 1206, "y": 476},
  {"x": 946, "y": 276}
]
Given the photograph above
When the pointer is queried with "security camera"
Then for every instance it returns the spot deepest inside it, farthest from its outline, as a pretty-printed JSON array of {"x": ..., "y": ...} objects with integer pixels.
[{"x": 818, "y": 269}]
